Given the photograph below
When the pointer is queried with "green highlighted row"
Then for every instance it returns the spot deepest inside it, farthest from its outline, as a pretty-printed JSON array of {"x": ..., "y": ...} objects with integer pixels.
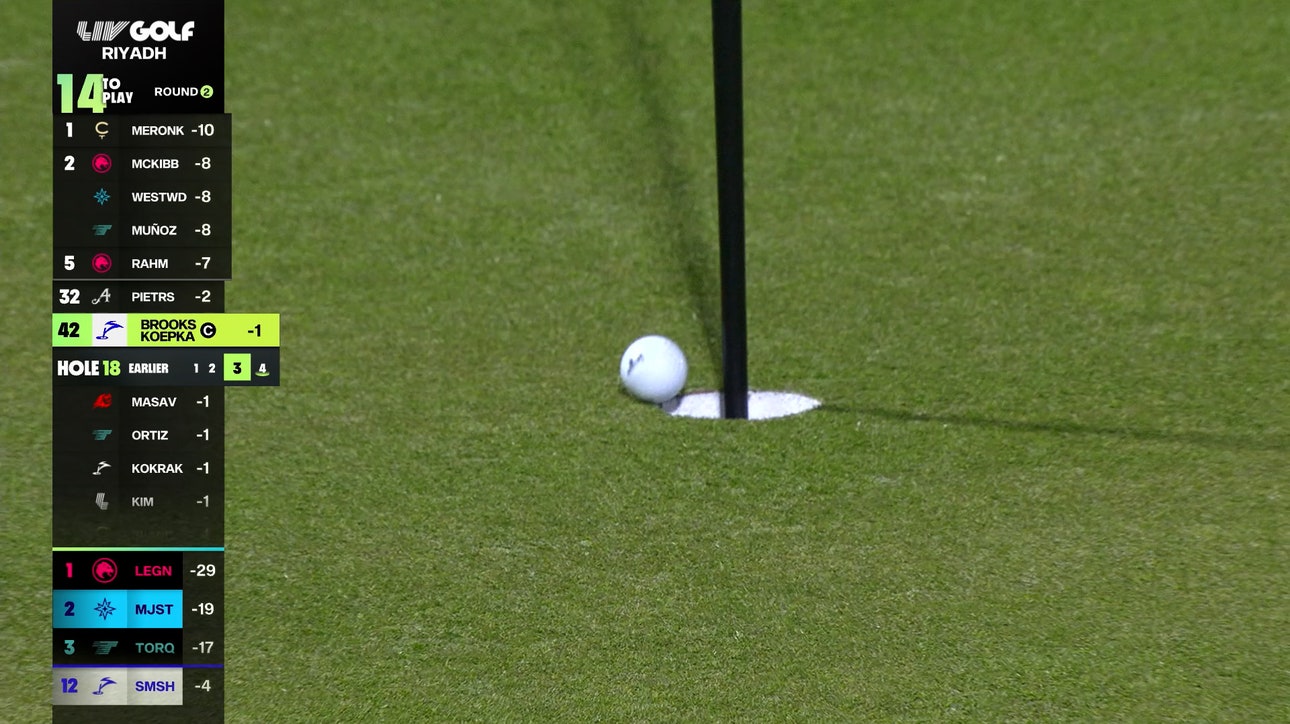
[{"x": 165, "y": 330}]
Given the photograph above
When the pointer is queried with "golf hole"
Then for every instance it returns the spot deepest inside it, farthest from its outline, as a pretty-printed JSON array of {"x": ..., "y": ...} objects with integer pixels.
[{"x": 762, "y": 405}]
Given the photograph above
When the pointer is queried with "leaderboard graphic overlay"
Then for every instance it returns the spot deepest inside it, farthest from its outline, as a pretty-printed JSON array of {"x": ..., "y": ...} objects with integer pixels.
[{"x": 142, "y": 350}]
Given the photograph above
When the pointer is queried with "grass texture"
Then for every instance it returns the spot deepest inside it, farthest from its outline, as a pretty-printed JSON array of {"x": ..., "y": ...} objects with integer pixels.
[{"x": 1032, "y": 257}]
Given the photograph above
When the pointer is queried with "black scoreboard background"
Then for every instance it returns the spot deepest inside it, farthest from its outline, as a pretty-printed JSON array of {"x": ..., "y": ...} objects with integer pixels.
[
  {"x": 141, "y": 353},
  {"x": 121, "y": 40}
]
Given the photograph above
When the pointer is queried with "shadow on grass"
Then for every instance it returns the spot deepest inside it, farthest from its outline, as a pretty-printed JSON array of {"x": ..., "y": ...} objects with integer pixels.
[
  {"x": 1270, "y": 442},
  {"x": 690, "y": 248}
]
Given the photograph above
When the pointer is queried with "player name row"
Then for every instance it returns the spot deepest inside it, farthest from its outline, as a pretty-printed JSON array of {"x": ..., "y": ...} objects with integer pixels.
[
  {"x": 105, "y": 404},
  {"x": 143, "y": 408},
  {"x": 136, "y": 465},
  {"x": 146, "y": 230},
  {"x": 95, "y": 437},
  {"x": 125, "y": 296},
  {"x": 105, "y": 194},
  {"x": 109, "y": 261},
  {"x": 145, "y": 506},
  {"x": 207, "y": 165},
  {"x": 111, "y": 131},
  {"x": 106, "y": 200}
]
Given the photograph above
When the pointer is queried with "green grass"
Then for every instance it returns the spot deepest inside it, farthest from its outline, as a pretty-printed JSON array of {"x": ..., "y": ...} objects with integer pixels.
[{"x": 1032, "y": 257}]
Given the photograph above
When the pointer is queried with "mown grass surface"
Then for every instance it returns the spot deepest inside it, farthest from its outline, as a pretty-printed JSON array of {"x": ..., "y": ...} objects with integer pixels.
[{"x": 1032, "y": 258}]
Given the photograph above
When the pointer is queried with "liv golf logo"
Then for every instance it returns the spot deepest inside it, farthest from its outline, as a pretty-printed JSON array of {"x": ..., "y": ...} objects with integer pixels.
[{"x": 142, "y": 31}]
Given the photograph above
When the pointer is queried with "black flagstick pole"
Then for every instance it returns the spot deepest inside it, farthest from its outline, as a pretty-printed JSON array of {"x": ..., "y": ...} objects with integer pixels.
[{"x": 727, "y": 82}]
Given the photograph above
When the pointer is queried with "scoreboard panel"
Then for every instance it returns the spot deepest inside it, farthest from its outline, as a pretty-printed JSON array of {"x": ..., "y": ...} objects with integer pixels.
[{"x": 142, "y": 350}]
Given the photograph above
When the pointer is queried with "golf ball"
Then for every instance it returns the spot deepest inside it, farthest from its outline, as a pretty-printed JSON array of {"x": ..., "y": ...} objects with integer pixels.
[{"x": 653, "y": 369}]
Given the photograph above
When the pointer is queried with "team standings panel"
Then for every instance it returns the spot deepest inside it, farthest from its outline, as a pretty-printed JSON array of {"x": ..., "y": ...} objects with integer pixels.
[
  {"x": 138, "y": 634},
  {"x": 142, "y": 351}
]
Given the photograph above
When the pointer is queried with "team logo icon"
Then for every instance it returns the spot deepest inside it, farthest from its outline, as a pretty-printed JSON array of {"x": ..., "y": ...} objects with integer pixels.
[
  {"x": 101, "y": 263},
  {"x": 106, "y": 680},
  {"x": 104, "y": 570},
  {"x": 105, "y": 609},
  {"x": 101, "y": 163},
  {"x": 111, "y": 325}
]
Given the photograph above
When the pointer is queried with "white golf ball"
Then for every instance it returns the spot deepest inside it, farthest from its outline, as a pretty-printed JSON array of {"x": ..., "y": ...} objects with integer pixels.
[{"x": 653, "y": 369}]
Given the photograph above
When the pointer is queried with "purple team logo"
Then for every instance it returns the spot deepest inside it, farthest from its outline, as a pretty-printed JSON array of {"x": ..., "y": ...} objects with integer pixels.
[
  {"x": 104, "y": 682},
  {"x": 111, "y": 325},
  {"x": 102, "y": 163}
]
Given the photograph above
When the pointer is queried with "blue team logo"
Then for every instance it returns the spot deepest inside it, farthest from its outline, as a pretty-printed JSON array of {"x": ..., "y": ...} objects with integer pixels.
[
  {"x": 103, "y": 683},
  {"x": 105, "y": 609},
  {"x": 111, "y": 325}
]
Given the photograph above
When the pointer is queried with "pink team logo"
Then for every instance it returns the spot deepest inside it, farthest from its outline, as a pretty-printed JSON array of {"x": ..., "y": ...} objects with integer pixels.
[
  {"x": 101, "y": 163},
  {"x": 104, "y": 570},
  {"x": 101, "y": 263}
]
